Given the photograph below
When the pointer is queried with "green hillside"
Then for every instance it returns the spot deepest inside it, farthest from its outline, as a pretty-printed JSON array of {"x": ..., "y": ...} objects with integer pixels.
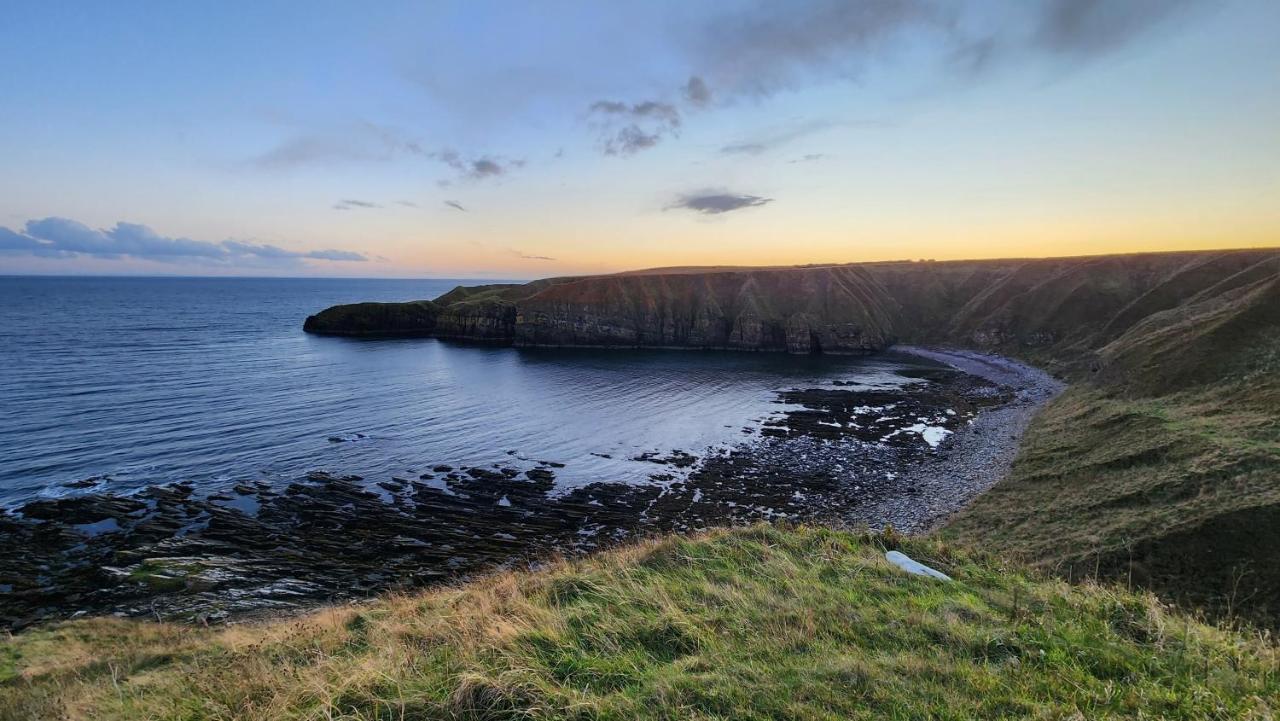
[{"x": 1162, "y": 467}]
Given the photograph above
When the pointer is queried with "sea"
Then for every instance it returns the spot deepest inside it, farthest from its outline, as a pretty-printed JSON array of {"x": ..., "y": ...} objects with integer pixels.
[{"x": 115, "y": 384}]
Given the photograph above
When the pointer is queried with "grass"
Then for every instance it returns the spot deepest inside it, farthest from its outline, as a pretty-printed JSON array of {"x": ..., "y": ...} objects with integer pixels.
[
  {"x": 1161, "y": 468},
  {"x": 756, "y": 623},
  {"x": 1178, "y": 493}
]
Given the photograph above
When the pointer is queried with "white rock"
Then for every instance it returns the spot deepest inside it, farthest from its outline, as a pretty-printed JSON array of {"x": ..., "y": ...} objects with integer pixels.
[{"x": 903, "y": 561}]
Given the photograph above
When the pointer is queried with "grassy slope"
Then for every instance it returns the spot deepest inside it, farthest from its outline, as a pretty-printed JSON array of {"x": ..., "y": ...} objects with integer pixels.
[
  {"x": 756, "y": 623},
  {"x": 1163, "y": 468}
]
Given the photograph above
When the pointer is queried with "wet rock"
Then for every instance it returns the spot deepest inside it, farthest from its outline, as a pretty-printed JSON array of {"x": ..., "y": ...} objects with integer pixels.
[
  {"x": 81, "y": 509},
  {"x": 677, "y": 458},
  {"x": 86, "y": 483}
]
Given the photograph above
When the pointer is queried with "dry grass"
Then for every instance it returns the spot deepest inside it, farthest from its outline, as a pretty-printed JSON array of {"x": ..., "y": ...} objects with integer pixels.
[{"x": 754, "y": 623}]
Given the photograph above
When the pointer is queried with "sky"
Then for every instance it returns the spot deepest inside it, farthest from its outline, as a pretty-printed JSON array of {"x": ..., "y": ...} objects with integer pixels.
[{"x": 522, "y": 140}]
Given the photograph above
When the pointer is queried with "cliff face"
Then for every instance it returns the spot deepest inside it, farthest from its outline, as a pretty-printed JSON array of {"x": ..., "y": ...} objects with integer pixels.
[
  {"x": 490, "y": 321},
  {"x": 1061, "y": 312},
  {"x": 829, "y": 310}
]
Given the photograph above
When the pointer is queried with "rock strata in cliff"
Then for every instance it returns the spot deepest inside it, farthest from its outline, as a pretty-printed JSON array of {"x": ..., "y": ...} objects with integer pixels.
[
  {"x": 1060, "y": 311},
  {"x": 829, "y": 310},
  {"x": 799, "y": 310}
]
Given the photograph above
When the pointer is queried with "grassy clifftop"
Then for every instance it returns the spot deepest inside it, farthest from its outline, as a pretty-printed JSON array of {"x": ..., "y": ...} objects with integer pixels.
[{"x": 757, "y": 623}]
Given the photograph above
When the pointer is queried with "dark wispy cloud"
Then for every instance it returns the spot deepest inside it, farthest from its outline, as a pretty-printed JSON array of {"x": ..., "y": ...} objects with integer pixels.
[
  {"x": 808, "y": 158},
  {"x": 628, "y": 128},
  {"x": 455, "y": 205},
  {"x": 407, "y": 203},
  {"x": 696, "y": 92},
  {"x": 1088, "y": 27},
  {"x": 368, "y": 142},
  {"x": 715, "y": 203},
  {"x": 66, "y": 238},
  {"x": 526, "y": 256},
  {"x": 1065, "y": 31},
  {"x": 350, "y": 204},
  {"x": 782, "y": 45},
  {"x": 477, "y": 167},
  {"x": 779, "y": 46},
  {"x": 777, "y": 137},
  {"x": 358, "y": 142}
]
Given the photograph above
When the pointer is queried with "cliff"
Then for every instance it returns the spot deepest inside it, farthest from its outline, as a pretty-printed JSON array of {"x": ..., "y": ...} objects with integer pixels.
[
  {"x": 828, "y": 310},
  {"x": 1057, "y": 311}
]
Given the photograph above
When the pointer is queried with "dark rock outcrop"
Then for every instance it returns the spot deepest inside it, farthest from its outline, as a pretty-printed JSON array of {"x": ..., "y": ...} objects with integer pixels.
[{"x": 415, "y": 318}]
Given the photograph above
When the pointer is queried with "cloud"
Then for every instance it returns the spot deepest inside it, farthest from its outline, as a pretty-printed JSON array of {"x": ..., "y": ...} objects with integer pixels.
[
  {"x": 626, "y": 129},
  {"x": 407, "y": 203},
  {"x": 808, "y": 158},
  {"x": 697, "y": 92},
  {"x": 526, "y": 256},
  {"x": 368, "y": 142},
  {"x": 476, "y": 168},
  {"x": 779, "y": 137},
  {"x": 455, "y": 204},
  {"x": 336, "y": 255},
  {"x": 66, "y": 238},
  {"x": 1085, "y": 27},
  {"x": 715, "y": 203},
  {"x": 356, "y": 143},
  {"x": 351, "y": 204},
  {"x": 783, "y": 46},
  {"x": 12, "y": 243}
]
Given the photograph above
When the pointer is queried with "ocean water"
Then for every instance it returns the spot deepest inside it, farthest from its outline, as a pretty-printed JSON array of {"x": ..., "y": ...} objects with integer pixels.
[{"x": 142, "y": 381}]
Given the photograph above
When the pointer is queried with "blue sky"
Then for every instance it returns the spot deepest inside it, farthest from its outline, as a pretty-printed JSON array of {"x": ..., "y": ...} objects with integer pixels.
[{"x": 533, "y": 139}]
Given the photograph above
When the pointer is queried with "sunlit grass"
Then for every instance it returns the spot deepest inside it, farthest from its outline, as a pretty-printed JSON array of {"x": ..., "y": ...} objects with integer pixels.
[{"x": 759, "y": 623}]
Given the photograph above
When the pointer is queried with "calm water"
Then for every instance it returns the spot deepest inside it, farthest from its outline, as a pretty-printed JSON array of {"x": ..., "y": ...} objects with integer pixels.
[{"x": 150, "y": 380}]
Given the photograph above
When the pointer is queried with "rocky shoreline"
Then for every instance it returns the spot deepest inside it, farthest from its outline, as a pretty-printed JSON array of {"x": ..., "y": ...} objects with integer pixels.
[{"x": 846, "y": 455}]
